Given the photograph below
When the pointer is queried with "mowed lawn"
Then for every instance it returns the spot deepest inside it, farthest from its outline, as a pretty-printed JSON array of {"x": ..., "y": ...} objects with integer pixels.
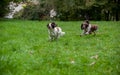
[{"x": 25, "y": 49}]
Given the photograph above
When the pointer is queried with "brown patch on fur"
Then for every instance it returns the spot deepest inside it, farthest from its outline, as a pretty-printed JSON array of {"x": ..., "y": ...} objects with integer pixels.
[
  {"x": 53, "y": 25},
  {"x": 93, "y": 28}
]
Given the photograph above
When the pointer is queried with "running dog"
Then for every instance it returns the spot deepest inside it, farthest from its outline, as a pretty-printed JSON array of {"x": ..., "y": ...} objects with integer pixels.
[
  {"x": 88, "y": 28},
  {"x": 54, "y": 31}
]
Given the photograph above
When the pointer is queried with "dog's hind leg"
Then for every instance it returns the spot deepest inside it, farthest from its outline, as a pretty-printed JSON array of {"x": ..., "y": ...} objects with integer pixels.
[{"x": 94, "y": 33}]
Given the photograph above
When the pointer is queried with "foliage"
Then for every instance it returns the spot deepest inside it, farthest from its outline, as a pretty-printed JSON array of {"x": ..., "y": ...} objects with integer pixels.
[
  {"x": 69, "y": 9},
  {"x": 25, "y": 49},
  {"x": 4, "y": 9},
  {"x": 89, "y": 9},
  {"x": 33, "y": 12}
]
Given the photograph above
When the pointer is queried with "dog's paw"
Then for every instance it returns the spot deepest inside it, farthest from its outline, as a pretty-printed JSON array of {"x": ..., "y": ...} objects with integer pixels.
[{"x": 87, "y": 33}]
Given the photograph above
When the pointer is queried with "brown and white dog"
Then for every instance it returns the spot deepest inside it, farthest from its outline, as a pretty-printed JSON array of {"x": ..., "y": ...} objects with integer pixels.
[
  {"x": 88, "y": 28},
  {"x": 54, "y": 31}
]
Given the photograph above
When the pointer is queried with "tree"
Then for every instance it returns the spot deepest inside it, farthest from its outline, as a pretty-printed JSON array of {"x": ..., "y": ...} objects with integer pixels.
[
  {"x": 4, "y": 6},
  {"x": 75, "y": 9}
]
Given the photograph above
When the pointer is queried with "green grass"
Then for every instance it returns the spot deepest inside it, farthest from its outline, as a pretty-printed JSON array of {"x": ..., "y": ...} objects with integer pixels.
[{"x": 25, "y": 49}]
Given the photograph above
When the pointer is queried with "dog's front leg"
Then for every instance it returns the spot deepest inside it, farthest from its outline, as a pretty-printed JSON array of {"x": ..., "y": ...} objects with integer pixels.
[
  {"x": 51, "y": 38},
  {"x": 83, "y": 33},
  {"x": 57, "y": 36}
]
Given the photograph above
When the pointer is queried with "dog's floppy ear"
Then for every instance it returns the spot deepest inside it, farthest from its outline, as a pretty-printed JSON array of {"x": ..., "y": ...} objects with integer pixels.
[
  {"x": 53, "y": 25},
  {"x": 82, "y": 27},
  {"x": 48, "y": 26}
]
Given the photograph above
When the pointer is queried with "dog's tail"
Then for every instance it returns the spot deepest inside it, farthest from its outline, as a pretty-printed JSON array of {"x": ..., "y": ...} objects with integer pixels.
[{"x": 62, "y": 33}]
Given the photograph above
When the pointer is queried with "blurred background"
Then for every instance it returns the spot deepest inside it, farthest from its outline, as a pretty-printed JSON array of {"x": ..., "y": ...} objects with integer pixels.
[{"x": 63, "y": 10}]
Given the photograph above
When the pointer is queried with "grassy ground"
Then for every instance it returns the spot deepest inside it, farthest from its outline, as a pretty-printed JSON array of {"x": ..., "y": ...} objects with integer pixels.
[{"x": 25, "y": 49}]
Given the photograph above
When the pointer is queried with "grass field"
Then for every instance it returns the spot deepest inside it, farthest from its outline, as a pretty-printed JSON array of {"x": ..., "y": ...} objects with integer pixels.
[{"x": 25, "y": 49}]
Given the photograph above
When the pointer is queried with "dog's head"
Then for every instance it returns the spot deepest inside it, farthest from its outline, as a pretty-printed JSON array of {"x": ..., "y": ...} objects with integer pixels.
[
  {"x": 51, "y": 25},
  {"x": 85, "y": 24}
]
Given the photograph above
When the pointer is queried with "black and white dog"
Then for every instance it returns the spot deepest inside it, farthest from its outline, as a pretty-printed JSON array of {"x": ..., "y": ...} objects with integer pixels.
[
  {"x": 54, "y": 31},
  {"x": 88, "y": 28}
]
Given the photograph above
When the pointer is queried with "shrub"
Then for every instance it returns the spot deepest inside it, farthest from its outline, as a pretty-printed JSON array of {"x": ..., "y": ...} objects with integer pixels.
[{"x": 32, "y": 12}]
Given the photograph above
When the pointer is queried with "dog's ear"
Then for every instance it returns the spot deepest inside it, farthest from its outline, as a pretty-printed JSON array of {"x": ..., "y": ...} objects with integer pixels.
[
  {"x": 48, "y": 26},
  {"x": 82, "y": 27},
  {"x": 53, "y": 25}
]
